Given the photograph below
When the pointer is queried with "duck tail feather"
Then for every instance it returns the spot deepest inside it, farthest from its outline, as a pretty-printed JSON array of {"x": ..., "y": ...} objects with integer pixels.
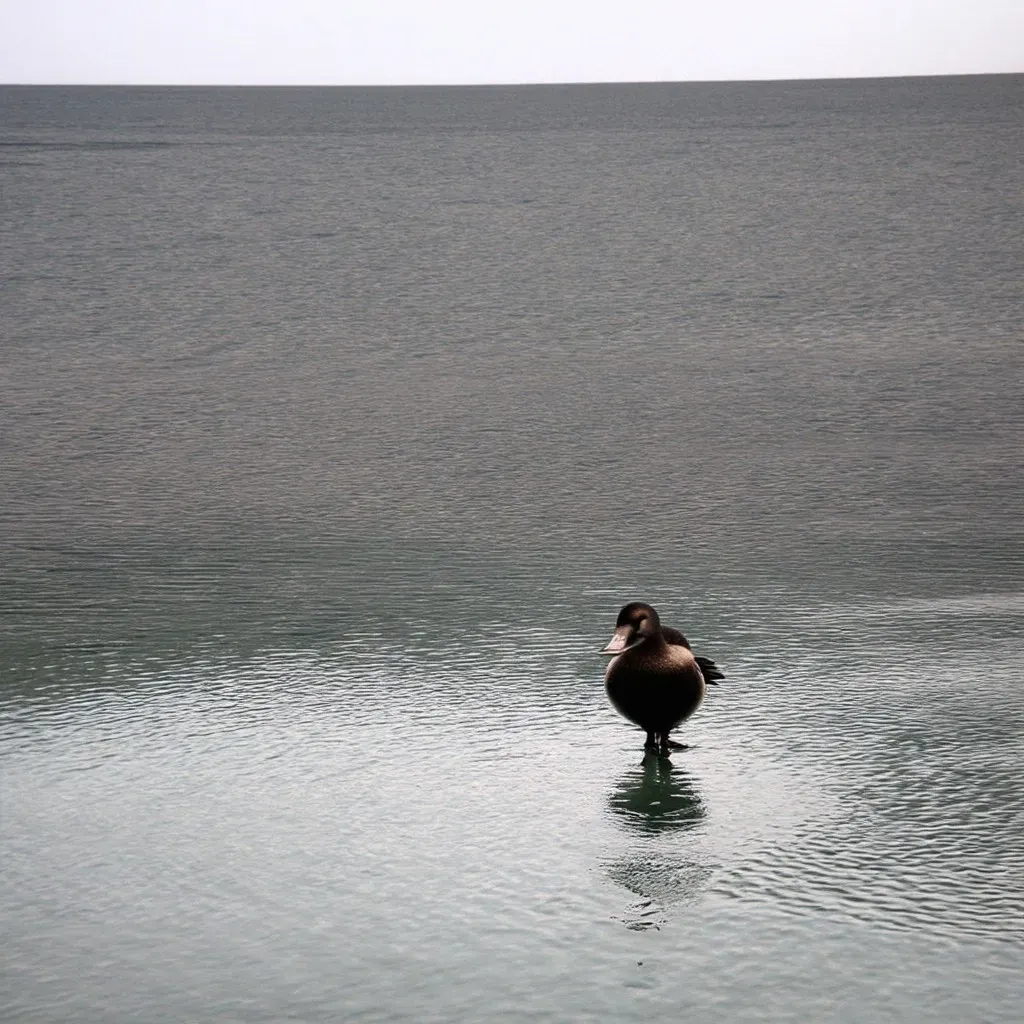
[{"x": 709, "y": 670}]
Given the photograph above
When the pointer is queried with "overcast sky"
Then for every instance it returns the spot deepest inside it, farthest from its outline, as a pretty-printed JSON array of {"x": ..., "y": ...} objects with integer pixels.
[{"x": 347, "y": 42}]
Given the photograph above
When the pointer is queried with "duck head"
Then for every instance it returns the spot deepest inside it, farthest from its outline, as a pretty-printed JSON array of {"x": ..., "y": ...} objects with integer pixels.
[{"x": 636, "y": 623}]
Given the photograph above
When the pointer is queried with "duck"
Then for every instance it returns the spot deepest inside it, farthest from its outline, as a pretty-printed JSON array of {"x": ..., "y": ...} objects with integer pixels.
[{"x": 654, "y": 680}]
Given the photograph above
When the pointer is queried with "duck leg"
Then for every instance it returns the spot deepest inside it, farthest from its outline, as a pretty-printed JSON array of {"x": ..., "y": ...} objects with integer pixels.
[{"x": 651, "y": 743}]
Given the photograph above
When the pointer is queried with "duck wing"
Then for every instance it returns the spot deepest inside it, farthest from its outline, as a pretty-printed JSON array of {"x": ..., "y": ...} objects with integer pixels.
[
  {"x": 673, "y": 636},
  {"x": 711, "y": 672}
]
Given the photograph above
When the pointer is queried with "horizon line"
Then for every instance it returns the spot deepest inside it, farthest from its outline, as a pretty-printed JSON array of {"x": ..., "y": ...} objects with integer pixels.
[{"x": 499, "y": 85}]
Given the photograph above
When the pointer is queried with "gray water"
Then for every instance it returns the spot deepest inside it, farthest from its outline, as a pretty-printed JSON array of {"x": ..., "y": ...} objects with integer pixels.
[{"x": 335, "y": 427}]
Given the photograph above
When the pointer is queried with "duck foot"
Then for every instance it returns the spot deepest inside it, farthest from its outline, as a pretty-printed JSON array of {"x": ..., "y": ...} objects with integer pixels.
[
  {"x": 656, "y": 755},
  {"x": 672, "y": 745}
]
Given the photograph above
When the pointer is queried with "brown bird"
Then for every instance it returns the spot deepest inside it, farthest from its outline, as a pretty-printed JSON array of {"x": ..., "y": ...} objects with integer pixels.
[{"x": 653, "y": 678}]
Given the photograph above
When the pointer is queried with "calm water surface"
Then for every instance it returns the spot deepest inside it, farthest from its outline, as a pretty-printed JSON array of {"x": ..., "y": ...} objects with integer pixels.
[{"x": 337, "y": 425}]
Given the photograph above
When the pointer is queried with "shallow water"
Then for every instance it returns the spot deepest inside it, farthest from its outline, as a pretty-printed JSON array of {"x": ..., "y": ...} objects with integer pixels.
[{"x": 337, "y": 426}]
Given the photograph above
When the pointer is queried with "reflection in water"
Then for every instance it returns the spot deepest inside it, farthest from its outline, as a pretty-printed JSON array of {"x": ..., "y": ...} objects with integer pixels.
[
  {"x": 660, "y": 881},
  {"x": 655, "y": 799}
]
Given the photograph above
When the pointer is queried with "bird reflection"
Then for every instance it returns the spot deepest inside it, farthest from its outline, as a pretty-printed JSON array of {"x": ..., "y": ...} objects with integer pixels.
[
  {"x": 660, "y": 882},
  {"x": 655, "y": 797}
]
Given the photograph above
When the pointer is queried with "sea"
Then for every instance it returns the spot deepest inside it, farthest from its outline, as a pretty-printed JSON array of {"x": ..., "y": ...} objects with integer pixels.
[{"x": 337, "y": 424}]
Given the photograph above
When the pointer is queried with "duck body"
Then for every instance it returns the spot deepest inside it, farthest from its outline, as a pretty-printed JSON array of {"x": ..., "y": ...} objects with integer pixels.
[{"x": 653, "y": 683}]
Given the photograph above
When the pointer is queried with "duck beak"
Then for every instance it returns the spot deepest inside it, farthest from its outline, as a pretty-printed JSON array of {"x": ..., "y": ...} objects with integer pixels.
[{"x": 620, "y": 641}]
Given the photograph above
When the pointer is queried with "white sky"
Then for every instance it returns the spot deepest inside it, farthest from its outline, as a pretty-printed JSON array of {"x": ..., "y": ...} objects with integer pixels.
[{"x": 349, "y": 42}]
